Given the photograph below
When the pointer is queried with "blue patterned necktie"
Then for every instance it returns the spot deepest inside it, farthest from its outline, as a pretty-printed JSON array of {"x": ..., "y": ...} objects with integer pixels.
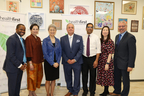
[
  {"x": 119, "y": 39},
  {"x": 24, "y": 57}
]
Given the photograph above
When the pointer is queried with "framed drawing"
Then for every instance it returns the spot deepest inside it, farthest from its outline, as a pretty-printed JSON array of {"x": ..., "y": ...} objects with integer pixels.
[
  {"x": 123, "y": 19},
  {"x": 143, "y": 18},
  {"x": 36, "y": 3},
  {"x": 56, "y": 6},
  {"x": 58, "y": 24},
  {"x": 129, "y": 7},
  {"x": 103, "y": 14},
  {"x": 79, "y": 9},
  {"x": 134, "y": 25},
  {"x": 12, "y": 6}
]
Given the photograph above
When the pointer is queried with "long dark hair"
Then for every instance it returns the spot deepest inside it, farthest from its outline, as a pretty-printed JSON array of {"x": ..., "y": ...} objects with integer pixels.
[{"x": 108, "y": 36}]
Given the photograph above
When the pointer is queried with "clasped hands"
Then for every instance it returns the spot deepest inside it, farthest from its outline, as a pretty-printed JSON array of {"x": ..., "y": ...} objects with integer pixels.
[
  {"x": 71, "y": 61},
  {"x": 23, "y": 67},
  {"x": 56, "y": 65}
]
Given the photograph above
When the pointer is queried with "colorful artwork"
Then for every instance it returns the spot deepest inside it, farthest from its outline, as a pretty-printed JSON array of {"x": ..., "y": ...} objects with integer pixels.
[
  {"x": 79, "y": 10},
  {"x": 56, "y": 6},
  {"x": 129, "y": 7},
  {"x": 13, "y": 6},
  {"x": 104, "y": 14},
  {"x": 36, "y": 3},
  {"x": 58, "y": 24}
]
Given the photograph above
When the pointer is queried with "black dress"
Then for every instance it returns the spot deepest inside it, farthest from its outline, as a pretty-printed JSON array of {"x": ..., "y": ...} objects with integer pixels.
[{"x": 51, "y": 73}]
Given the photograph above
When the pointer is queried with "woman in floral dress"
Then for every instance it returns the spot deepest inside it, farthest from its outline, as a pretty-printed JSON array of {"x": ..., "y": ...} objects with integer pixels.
[{"x": 105, "y": 75}]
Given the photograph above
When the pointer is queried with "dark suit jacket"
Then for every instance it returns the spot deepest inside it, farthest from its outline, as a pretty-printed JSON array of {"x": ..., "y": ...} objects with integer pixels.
[
  {"x": 125, "y": 52},
  {"x": 72, "y": 53},
  {"x": 14, "y": 55}
]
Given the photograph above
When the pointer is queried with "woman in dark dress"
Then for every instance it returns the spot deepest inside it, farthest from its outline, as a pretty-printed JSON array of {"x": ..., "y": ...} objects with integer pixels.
[
  {"x": 105, "y": 75},
  {"x": 52, "y": 55}
]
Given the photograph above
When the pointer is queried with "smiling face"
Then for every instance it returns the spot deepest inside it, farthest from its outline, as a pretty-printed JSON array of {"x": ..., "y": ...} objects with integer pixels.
[
  {"x": 89, "y": 29},
  {"x": 105, "y": 32},
  {"x": 35, "y": 30},
  {"x": 122, "y": 27},
  {"x": 52, "y": 31},
  {"x": 20, "y": 30},
  {"x": 70, "y": 29}
]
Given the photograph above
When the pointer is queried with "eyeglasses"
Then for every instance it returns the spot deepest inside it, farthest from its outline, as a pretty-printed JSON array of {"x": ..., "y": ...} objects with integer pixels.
[
  {"x": 89, "y": 27},
  {"x": 121, "y": 26}
]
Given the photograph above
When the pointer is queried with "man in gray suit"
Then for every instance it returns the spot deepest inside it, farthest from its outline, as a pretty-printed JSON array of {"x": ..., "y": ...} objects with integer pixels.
[{"x": 124, "y": 59}]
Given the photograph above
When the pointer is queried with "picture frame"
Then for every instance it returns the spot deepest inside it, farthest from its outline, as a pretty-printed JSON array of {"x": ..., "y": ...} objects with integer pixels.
[
  {"x": 56, "y": 6},
  {"x": 129, "y": 7},
  {"x": 143, "y": 18},
  {"x": 36, "y": 3},
  {"x": 12, "y": 6},
  {"x": 134, "y": 25},
  {"x": 58, "y": 24},
  {"x": 103, "y": 14},
  {"x": 123, "y": 19}
]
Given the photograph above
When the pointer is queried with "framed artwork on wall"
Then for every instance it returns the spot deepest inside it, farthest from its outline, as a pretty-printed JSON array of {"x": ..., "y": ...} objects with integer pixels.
[
  {"x": 129, "y": 7},
  {"x": 123, "y": 19},
  {"x": 134, "y": 25},
  {"x": 36, "y": 3},
  {"x": 58, "y": 24},
  {"x": 12, "y": 6},
  {"x": 103, "y": 14},
  {"x": 143, "y": 18},
  {"x": 56, "y": 6}
]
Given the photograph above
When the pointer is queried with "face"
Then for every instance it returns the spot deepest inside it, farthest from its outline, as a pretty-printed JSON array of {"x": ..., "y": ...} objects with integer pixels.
[
  {"x": 34, "y": 30},
  {"x": 52, "y": 31},
  {"x": 105, "y": 32},
  {"x": 122, "y": 27},
  {"x": 89, "y": 29},
  {"x": 70, "y": 29},
  {"x": 21, "y": 30}
]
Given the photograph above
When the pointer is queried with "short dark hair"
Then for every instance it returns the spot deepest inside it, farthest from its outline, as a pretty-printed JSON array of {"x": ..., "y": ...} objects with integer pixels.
[
  {"x": 19, "y": 25},
  {"x": 33, "y": 26},
  {"x": 89, "y": 24}
]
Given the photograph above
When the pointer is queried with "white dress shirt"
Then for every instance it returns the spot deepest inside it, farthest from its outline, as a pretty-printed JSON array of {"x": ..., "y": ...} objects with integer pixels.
[
  {"x": 95, "y": 45},
  {"x": 70, "y": 40}
]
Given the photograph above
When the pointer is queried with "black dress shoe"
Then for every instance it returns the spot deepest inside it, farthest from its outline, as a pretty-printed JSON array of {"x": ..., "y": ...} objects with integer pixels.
[{"x": 84, "y": 94}]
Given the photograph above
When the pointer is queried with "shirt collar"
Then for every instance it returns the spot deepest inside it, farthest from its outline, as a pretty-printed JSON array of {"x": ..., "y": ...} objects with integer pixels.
[
  {"x": 123, "y": 33},
  {"x": 18, "y": 35},
  {"x": 70, "y": 36}
]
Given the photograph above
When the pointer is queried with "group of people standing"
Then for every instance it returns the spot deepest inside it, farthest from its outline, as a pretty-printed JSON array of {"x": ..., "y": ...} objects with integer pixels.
[{"x": 79, "y": 54}]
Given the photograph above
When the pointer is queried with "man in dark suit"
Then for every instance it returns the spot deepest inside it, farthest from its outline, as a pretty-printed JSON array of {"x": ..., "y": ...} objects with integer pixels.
[
  {"x": 124, "y": 59},
  {"x": 72, "y": 48},
  {"x": 15, "y": 61}
]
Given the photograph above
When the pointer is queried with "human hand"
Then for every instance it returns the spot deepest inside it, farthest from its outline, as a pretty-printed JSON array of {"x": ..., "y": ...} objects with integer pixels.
[
  {"x": 106, "y": 67},
  {"x": 129, "y": 69},
  {"x": 73, "y": 61},
  {"x": 95, "y": 64},
  {"x": 22, "y": 67},
  {"x": 69, "y": 61},
  {"x": 31, "y": 67},
  {"x": 55, "y": 65}
]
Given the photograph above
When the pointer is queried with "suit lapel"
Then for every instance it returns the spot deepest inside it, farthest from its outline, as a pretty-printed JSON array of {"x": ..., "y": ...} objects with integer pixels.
[
  {"x": 123, "y": 38},
  {"x": 67, "y": 41},
  {"x": 73, "y": 41},
  {"x": 18, "y": 39}
]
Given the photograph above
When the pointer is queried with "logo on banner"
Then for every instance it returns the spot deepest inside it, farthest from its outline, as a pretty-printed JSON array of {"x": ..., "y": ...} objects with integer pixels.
[{"x": 77, "y": 22}]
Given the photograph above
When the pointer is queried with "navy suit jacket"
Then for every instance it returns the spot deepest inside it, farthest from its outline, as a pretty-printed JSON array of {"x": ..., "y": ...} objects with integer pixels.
[
  {"x": 14, "y": 55},
  {"x": 125, "y": 52},
  {"x": 72, "y": 53}
]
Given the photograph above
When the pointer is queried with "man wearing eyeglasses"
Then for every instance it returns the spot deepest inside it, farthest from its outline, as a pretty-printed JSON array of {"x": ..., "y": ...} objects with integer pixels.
[
  {"x": 124, "y": 59},
  {"x": 91, "y": 52}
]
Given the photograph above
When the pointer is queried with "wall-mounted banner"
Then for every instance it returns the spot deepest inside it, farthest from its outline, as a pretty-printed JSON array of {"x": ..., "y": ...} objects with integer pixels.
[
  {"x": 8, "y": 22},
  {"x": 79, "y": 22},
  {"x": 38, "y": 18}
]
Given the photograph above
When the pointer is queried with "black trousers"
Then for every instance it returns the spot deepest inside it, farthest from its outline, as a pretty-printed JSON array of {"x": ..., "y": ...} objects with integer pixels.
[
  {"x": 88, "y": 66},
  {"x": 118, "y": 73}
]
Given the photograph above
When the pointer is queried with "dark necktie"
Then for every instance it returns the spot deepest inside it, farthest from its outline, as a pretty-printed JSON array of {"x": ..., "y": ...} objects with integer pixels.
[
  {"x": 88, "y": 47},
  {"x": 119, "y": 39}
]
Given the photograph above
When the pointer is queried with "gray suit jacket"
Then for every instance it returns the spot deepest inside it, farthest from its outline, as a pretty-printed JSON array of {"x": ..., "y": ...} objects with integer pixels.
[{"x": 125, "y": 52}]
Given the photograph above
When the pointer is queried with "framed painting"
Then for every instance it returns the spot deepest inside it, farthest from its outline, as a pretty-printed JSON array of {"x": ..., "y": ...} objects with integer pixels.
[
  {"x": 129, "y": 7},
  {"x": 103, "y": 14},
  {"x": 12, "y": 6},
  {"x": 58, "y": 24},
  {"x": 134, "y": 25},
  {"x": 56, "y": 6},
  {"x": 36, "y": 3},
  {"x": 143, "y": 18}
]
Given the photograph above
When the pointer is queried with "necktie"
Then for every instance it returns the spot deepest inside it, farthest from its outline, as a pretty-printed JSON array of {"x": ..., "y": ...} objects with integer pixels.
[
  {"x": 88, "y": 47},
  {"x": 70, "y": 38},
  {"x": 24, "y": 57},
  {"x": 119, "y": 39}
]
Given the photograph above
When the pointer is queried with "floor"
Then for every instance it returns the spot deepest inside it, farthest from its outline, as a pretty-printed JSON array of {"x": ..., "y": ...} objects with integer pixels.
[{"x": 136, "y": 89}]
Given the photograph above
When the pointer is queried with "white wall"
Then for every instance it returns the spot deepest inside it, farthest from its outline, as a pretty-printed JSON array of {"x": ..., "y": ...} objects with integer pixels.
[{"x": 139, "y": 64}]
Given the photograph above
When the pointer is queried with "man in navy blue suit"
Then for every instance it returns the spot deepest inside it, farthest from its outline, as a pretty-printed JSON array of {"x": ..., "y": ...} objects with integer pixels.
[
  {"x": 15, "y": 61},
  {"x": 72, "y": 48}
]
